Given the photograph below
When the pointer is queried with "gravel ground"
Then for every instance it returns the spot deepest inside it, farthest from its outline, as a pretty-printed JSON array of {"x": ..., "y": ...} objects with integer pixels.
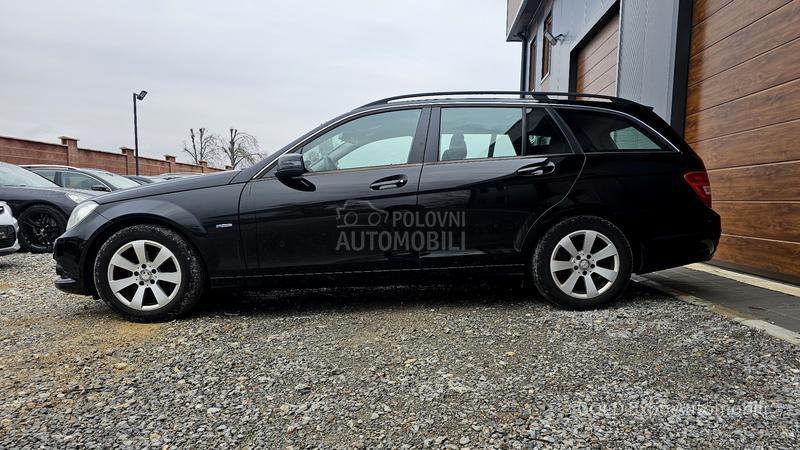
[{"x": 386, "y": 368}]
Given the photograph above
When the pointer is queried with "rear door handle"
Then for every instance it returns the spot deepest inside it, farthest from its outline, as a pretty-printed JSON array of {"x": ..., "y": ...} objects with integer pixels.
[
  {"x": 537, "y": 169},
  {"x": 392, "y": 182}
]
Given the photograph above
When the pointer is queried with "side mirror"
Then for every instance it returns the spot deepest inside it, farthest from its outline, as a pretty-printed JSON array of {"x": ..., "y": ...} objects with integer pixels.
[
  {"x": 100, "y": 187},
  {"x": 290, "y": 165}
]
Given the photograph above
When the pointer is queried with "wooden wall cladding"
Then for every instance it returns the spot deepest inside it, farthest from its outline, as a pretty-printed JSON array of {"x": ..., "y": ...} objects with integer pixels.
[
  {"x": 596, "y": 64},
  {"x": 743, "y": 119}
]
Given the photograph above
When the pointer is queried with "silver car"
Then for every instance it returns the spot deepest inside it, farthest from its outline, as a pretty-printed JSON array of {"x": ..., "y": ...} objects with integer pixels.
[{"x": 8, "y": 230}]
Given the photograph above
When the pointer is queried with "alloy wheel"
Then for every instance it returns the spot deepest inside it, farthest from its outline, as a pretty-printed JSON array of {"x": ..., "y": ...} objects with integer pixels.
[
  {"x": 40, "y": 229},
  {"x": 144, "y": 275},
  {"x": 585, "y": 264}
]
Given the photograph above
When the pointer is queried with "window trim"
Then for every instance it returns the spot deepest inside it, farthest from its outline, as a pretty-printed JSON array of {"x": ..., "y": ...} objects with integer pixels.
[
  {"x": 547, "y": 47},
  {"x": 432, "y": 109},
  {"x": 416, "y": 153},
  {"x": 432, "y": 150},
  {"x": 669, "y": 146}
]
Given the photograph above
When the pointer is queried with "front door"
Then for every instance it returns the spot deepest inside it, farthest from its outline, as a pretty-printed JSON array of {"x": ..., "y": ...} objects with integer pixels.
[
  {"x": 344, "y": 214},
  {"x": 495, "y": 170}
]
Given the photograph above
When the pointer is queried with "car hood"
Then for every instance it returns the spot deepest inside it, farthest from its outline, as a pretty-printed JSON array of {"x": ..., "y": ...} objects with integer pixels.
[{"x": 167, "y": 187}]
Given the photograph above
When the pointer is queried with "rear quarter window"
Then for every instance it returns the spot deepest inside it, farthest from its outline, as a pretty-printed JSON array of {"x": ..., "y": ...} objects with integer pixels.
[{"x": 606, "y": 132}]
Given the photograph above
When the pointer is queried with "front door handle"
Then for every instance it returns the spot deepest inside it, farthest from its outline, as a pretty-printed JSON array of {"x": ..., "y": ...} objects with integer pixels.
[
  {"x": 392, "y": 182},
  {"x": 537, "y": 169}
]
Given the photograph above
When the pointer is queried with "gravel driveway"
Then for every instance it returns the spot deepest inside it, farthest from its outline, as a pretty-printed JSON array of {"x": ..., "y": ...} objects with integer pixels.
[{"x": 386, "y": 368}]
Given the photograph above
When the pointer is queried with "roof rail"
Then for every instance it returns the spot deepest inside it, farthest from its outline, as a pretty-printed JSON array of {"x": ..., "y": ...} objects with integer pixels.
[{"x": 522, "y": 94}]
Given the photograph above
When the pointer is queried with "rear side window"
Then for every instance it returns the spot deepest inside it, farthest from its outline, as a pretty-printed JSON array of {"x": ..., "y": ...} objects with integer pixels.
[
  {"x": 471, "y": 133},
  {"x": 604, "y": 132},
  {"x": 544, "y": 137},
  {"x": 482, "y": 132}
]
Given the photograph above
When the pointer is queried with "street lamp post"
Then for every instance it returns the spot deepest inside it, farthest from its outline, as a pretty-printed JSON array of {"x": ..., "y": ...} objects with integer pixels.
[{"x": 140, "y": 96}]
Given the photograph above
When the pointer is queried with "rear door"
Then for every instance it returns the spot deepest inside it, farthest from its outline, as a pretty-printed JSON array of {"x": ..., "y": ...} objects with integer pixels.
[{"x": 489, "y": 173}]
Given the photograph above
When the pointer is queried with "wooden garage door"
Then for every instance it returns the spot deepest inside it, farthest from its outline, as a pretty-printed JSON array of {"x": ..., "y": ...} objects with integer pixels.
[
  {"x": 743, "y": 118},
  {"x": 596, "y": 70}
]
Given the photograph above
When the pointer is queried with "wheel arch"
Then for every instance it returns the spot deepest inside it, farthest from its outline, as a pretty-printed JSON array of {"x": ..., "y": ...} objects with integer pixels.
[
  {"x": 102, "y": 235},
  {"x": 549, "y": 219},
  {"x": 28, "y": 205}
]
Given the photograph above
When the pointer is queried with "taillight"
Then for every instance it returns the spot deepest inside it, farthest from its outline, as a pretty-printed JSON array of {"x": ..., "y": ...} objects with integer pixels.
[{"x": 700, "y": 185}]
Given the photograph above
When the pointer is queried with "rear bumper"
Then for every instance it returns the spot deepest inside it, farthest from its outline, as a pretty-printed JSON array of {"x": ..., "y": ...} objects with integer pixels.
[{"x": 678, "y": 250}]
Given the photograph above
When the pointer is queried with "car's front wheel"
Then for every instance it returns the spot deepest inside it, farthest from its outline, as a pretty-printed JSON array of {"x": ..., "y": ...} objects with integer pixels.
[
  {"x": 149, "y": 273},
  {"x": 582, "y": 262}
]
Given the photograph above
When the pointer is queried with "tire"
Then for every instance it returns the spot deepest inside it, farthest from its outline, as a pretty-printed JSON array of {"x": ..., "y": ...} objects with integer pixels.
[
  {"x": 168, "y": 288},
  {"x": 39, "y": 226},
  {"x": 594, "y": 282}
]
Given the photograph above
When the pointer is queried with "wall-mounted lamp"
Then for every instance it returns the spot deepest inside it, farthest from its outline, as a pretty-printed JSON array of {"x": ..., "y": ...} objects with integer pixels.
[{"x": 553, "y": 39}]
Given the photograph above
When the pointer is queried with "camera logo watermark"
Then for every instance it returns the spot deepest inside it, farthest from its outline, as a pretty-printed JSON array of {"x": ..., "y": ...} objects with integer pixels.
[{"x": 364, "y": 227}]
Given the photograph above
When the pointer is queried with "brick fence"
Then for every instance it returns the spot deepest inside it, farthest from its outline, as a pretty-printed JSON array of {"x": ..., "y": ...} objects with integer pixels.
[{"x": 24, "y": 151}]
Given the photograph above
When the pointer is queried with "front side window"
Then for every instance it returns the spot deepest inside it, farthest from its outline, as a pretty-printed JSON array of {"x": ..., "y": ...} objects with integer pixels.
[
  {"x": 381, "y": 139},
  {"x": 75, "y": 180},
  {"x": 605, "y": 132}
]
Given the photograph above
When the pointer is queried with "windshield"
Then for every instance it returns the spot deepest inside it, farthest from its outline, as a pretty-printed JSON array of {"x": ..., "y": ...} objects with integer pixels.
[
  {"x": 11, "y": 175},
  {"x": 114, "y": 180}
]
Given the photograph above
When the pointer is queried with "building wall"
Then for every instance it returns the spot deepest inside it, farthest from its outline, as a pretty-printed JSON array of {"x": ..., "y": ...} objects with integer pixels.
[
  {"x": 648, "y": 37},
  {"x": 646, "y": 46},
  {"x": 743, "y": 118},
  {"x": 24, "y": 151},
  {"x": 573, "y": 19}
]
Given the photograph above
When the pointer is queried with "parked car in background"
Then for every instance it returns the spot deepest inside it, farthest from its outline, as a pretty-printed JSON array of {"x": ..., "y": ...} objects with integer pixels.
[
  {"x": 83, "y": 179},
  {"x": 571, "y": 194},
  {"x": 8, "y": 230},
  {"x": 42, "y": 208},
  {"x": 143, "y": 179},
  {"x": 176, "y": 175}
]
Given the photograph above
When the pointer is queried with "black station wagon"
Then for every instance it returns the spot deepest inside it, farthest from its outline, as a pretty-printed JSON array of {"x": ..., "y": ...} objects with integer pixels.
[{"x": 569, "y": 192}]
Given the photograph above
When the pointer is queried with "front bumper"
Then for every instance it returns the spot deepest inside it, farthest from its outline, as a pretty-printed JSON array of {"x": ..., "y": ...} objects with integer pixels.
[
  {"x": 69, "y": 285},
  {"x": 71, "y": 253}
]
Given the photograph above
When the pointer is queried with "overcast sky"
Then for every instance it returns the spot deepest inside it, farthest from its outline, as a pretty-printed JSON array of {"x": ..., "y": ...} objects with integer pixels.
[{"x": 272, "y": 68}]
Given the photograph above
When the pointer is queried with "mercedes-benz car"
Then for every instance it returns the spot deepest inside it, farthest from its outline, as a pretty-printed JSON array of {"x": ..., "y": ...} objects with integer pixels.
[
  {"x": 40, "y": 206},
  {"x": 569, "y": 193}
]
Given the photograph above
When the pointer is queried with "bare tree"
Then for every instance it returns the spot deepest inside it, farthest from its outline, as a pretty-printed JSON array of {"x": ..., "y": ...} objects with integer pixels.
[
  {"x": 204, "y": 145},
  {"x": 240, "y": 148}
]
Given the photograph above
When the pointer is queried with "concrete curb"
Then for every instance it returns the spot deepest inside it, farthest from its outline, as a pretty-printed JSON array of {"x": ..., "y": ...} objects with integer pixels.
[{"x": 757, "y": 324}]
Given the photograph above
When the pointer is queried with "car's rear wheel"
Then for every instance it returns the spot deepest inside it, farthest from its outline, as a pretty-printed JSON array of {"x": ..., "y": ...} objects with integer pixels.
[
  {"x": 149, "y": 273},
  {"x": 582, "y": 262},
  {"x": 39, "y": 227}
]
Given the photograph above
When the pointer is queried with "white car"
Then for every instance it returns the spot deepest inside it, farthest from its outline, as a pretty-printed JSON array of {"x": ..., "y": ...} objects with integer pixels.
[{"x": 8, "y": 230}]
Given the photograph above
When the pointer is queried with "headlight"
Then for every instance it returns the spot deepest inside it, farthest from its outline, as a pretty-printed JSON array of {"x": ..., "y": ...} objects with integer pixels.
[
  {"x": 77, "y": 198},
  {"x": 79, "y": 213}
]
